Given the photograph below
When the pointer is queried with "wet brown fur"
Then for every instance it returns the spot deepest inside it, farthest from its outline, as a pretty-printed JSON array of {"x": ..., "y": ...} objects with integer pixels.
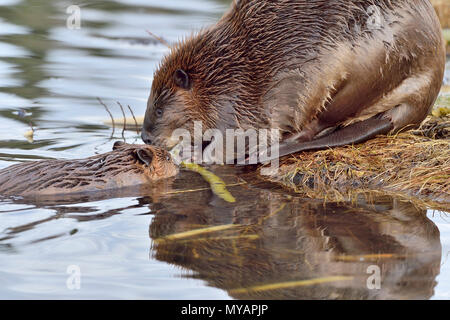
[
  {"x": 113, "y": 170},
  {"x": 302, "y": 66}
]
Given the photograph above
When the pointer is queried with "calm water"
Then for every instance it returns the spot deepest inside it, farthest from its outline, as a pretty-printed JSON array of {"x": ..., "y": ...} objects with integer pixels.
[{"x": 50, "y": 77}]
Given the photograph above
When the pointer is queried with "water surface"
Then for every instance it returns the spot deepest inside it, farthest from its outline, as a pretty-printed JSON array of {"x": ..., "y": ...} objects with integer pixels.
[{"x": 50, "y": 77}]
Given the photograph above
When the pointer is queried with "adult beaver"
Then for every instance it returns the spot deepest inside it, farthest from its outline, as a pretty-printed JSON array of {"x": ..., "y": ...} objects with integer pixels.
[
  {"x": 325, "y": 73},
  {"x": 127, "y": 165}
]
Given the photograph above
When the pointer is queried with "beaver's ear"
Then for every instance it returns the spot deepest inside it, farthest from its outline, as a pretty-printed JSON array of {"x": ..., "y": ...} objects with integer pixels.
[
  {"x": 118, "y": 144},
  {"x": 182, "y": 79},
  {"x": 145, "y": 156}
]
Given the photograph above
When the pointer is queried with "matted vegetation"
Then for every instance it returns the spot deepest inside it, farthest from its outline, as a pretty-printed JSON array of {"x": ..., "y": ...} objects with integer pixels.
[
  {"x": 414, "y": 165},
  {"x": 442, "y": 8}
]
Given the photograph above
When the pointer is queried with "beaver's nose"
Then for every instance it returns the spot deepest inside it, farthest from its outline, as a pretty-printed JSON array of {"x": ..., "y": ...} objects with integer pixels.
[{"x": 146, "y": 137}]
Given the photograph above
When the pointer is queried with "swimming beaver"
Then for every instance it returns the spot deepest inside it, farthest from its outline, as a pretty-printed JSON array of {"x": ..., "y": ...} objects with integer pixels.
[
  {"x": 127, "y": 165},
  {"x": 325, "y": 73}
]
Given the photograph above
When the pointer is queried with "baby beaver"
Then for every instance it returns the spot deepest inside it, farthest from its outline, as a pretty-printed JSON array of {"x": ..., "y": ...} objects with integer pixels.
[{"x": 127, "y": 165}]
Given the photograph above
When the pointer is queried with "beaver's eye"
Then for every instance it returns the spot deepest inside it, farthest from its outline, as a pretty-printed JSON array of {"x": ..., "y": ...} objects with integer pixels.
[{"x": 159, "y": 112}]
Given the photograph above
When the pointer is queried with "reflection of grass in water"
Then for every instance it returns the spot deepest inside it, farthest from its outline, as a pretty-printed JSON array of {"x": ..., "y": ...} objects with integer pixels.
[
  {"x": 380, "y": 256},
  {"x": 207, "y": 241},
  {"x": 202, "y": 189},
  {"x": 185, "y": 235},
  {"x": 290, "y": 284},
  {"x": 298, "y": 249},
  {"x": 196, "y": 232},
  {"x": 224, "y": 238}
]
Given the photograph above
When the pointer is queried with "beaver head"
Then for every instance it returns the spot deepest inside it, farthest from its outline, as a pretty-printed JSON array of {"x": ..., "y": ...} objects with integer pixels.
[
  {"x": 169, "y": 107},
  {"x": 156, "y": 163},
  {"x": 207, "y": 78}
]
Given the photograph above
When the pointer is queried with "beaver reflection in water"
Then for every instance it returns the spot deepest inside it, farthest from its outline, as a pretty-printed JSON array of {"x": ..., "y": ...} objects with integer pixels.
[
  {"x": 326, "y": 73},
  {"x": 127, "y": 165}
]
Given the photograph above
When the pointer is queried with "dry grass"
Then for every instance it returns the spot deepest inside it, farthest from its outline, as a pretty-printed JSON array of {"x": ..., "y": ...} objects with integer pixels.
[
  {"x": 415, "y": 165},
  {"x": 442, "y": 8},
  {"x": 447, "y": 38}
]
